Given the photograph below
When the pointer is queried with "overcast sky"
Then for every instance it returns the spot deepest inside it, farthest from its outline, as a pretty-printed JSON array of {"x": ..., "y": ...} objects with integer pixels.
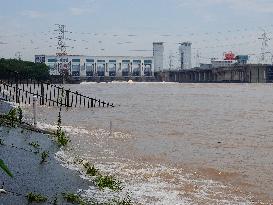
[{"x": 128, "y": 27}]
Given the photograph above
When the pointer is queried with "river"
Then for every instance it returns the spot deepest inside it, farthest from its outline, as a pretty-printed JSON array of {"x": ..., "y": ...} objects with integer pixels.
[{"x": 178, "y": 143}]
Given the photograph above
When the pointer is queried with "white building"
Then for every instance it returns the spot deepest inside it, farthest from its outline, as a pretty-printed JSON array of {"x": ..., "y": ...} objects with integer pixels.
[
  {"x": 221, "y": 63},
  {"x": 158, "y": 52},
  {"x": 99, "y": 66},
  {"x": 185, "y": 55}
]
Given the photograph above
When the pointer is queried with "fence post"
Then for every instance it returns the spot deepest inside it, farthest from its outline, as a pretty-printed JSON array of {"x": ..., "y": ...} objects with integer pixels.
[
  {"x": 42, "y": 94},
  {"x": 35, "y": 111},
  {"x": 16, "y": 87},
  {"x": 67, "y": 97}
]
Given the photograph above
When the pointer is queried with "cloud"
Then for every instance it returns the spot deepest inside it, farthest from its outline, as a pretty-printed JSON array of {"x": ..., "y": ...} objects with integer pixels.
[
  {"x": 75, "y": 11},
  {"x": 32, "y": 14},
  {"x": 87, "y": 7},
  {"x": 260, "y": 6},
  {"x": 2, "y": 43}
]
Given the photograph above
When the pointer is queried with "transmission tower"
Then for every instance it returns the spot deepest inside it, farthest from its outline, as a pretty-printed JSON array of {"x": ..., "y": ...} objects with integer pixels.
[
  {"x": 61, "y": 49},
  {"x": 18, "y": 55},
  {"x": 264, "y": 47}
]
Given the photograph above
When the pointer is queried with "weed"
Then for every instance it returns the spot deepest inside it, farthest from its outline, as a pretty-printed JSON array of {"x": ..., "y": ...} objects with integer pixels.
[
  {"x": 44, "y": 156},
  {"x": 92, "y": 171},
  {"x": 2, "y": 142},
  {"x": 34, "y": 144},
  {"x": 73, "y": 198},
  {"x": 32, "y": 197},
  {"x": 62, "y": 139},
  {"x": 11, "y": 117},
  {"x": 108, "y": 182}
]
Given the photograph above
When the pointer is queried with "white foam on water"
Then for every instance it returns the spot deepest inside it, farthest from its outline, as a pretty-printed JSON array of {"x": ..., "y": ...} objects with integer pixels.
[
  {"x": 146, "y": 184},
  {"x": 87, "y": 83},
  {"x": 68, "y": 129}
]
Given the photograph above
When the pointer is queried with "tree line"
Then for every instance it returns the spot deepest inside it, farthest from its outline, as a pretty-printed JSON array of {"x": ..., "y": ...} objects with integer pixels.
[{"x": 25, "y": 69}]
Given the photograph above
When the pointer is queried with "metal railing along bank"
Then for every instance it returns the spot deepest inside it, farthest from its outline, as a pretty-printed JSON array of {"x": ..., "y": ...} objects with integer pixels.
[{"x": 22, "y": 91}]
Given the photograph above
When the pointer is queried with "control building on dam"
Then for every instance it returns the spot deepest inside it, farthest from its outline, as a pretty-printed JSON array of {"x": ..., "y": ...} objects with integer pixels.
[
  {"x": 249, "y": 73},
  {"x": 81, "y": 67}
]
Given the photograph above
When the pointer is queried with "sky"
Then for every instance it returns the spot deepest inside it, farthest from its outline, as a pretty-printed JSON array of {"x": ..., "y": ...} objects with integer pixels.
[{"x": 129, "y": 27}]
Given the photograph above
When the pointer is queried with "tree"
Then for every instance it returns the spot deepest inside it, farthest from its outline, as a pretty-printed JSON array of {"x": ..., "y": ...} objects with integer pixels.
[{"x": 26, "y": 69}]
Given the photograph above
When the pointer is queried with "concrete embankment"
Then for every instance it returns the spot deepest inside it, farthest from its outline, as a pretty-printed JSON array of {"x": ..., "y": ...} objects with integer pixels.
[
  {"x": 21, "y": 150},
  {"x": 49, "y": 178}
]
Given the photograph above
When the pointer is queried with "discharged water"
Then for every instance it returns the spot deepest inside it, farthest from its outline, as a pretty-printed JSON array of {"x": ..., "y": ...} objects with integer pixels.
[{"x": 178, "y": 143}]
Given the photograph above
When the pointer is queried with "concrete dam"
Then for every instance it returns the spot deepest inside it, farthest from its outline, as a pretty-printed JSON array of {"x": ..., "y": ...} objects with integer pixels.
[{"x": 250, "y": 73}]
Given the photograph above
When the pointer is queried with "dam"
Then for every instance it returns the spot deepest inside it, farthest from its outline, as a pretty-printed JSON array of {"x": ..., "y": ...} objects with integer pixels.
[{"x": 249, "y": 73}]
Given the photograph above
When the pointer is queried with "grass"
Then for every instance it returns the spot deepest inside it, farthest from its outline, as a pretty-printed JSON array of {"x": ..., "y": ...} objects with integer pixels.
[
  {"x": 62, "y": 139},
  {"x": 92, "y": 171},
  {"x": 32, "y": 197},
  {"x": 103, "y": 181},
  {"x": 108, "y": 182},
  {"x": 34, "y": 144},
  {"x": 73, "y": 198},
  {"x": 44, "y": 156}
]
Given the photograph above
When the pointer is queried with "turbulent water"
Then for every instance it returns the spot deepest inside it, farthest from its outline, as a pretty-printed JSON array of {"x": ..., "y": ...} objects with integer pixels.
[{"x": 177, "y": 143}]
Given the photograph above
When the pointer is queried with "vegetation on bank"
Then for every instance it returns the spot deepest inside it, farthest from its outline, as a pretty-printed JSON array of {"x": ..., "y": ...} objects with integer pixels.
[
  {"x": 13, "y": 119},
  {"x": 26, "y": 69},
  {"x": 33, "y": 197}
]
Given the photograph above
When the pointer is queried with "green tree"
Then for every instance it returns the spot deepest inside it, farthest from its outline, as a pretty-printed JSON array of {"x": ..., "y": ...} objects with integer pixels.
[{"x": 26, "y": 69}]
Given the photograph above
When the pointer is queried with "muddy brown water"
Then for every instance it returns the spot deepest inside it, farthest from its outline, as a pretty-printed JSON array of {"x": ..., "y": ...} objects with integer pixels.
[{"x": 201, "y": 143}]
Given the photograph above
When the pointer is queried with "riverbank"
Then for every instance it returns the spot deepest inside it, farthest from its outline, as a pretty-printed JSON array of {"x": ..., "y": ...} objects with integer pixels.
[
  {"x": 21, "y": 150},
  {"x": 41, "y": 172}
]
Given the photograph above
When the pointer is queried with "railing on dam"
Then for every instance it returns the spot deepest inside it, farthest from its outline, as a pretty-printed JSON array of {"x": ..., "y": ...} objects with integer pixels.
[{"x": 23, "y": 90}]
